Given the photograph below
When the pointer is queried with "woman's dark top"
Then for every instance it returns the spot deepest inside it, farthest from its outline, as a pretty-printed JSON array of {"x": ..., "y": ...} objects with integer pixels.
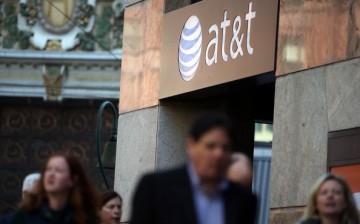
[
  {"x": 44, "y": 215},
  {"x": 310, "y": 222}
]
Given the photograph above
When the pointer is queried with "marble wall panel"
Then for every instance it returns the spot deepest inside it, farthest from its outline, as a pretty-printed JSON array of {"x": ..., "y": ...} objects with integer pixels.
[
  {"x": 139, "y": 85},
  {"x": 314, "y": 33},
  {"x": 343, "y": 95},
  {"x": 135, "y": 153},
  {"x": 175, "y": 119},
  {"x": 286, "y": 215},
  {"x": 300, "y": 136}
]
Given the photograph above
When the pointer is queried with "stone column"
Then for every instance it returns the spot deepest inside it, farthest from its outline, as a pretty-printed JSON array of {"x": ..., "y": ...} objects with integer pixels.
[
  {"x": 316, "y": 36},
  {"x": 139, "y": 147},
  {"x": 308, "y": 105},
  {"x": 138, "y": 106},
  {"x": 299, "y": 144}
]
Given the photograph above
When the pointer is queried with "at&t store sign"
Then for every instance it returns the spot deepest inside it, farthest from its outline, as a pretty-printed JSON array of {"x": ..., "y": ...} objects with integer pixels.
[{"x": 214, "y": 42}]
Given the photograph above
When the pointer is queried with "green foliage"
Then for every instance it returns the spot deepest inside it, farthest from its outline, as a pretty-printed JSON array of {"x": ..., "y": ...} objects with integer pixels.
[
  {"x": 24, "y": 39},
  {"x": 13, "y": 30},
  {"x": 118, "y": 38},
  {"x": 9, "y": 41},
  {"x": 24, "y": 43},
  {"x": 23, "y": 11},
  {"x": 29, "y": 11},
  {"x": 86, "y": 42},
  {"x": 105, "y": 43},
  {"x": 118, "y": 30},
  {"x": 84, "y": 14},
  {"x": 107, "y": 12},
  {"x": 9, "y": 9},
  {"x": 10, "y": 20},
  {"x": 13, "y": 34},
  {"x": 89, "y": 11},
  {"x": 104, "y": 26},
  {"x": 10, "y": 25}
]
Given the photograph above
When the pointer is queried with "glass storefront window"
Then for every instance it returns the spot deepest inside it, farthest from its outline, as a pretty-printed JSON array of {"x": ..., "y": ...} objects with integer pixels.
[{"x": 263, "y": 133}]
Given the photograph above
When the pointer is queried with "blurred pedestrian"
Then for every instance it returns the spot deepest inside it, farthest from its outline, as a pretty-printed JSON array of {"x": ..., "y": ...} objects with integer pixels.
[
  {"x": 111, "y": 207},
  {"x": 63, "y": 195},
  {"x": 330, "y": 202},
  {"x": 197, "y": 193},
  {"x": 240, "y": 170},
  {"x": 357, "y": 200},
  {"x": 28, "y": 186},
  {"x": 29, "y": 183}
]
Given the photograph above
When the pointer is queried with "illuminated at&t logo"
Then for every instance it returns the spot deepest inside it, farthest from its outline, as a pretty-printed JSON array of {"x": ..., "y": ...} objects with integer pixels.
[
  {"x": 190, "y": 48},
  {"x": 231, "y": 47}
]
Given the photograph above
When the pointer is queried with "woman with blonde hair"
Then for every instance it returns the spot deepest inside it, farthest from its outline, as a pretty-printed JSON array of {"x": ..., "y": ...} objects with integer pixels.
[{"x": 330, "y": 202}]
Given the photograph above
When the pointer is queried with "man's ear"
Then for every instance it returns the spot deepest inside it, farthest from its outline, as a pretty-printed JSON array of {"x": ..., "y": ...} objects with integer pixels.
[{"x": 190, "y": 142}]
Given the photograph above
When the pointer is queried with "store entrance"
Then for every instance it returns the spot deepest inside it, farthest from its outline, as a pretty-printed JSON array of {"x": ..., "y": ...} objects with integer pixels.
[
  {"x": 252, "y": 109},
  {"x": 250, "y": 104}
]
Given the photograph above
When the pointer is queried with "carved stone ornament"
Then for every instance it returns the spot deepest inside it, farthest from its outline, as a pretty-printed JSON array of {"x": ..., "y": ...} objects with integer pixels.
[
  {"x": 56, "y": 20},
  {"x": 54, "y": 77}
]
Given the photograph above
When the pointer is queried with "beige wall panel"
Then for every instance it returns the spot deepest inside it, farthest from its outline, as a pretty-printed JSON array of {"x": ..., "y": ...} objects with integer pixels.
[
  {"x": 300, "y": 137},
  {"x": 343, "y": 95},
  {"x": 136, "y": 152},
  {"x": 175, "y": 119},
  {"x": 139, "y": 85},
  {"x": 286, "y": 215},
  {"x": 314, "y": 33}
]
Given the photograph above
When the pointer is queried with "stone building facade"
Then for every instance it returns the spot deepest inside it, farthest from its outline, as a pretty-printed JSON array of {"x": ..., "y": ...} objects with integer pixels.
[{"x": 313, "y": 92}]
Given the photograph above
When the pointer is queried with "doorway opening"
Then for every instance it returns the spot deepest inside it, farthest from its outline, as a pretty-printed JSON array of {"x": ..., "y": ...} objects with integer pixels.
[
  {"x": 262, "y": 169},
  {"x": 252, "y": 109}
]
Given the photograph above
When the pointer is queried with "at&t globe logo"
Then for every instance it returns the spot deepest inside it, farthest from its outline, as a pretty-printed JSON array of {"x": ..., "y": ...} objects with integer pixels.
[{"x": 190, "y": 48}]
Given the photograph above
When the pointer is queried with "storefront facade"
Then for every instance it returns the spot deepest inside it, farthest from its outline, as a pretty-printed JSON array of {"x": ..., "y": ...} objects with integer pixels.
[{"x": 308, "y": 86}]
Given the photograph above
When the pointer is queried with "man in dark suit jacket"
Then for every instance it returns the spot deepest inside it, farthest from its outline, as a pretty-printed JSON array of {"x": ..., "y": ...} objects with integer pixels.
[
  {"x": 6, "y": 218},
  {"x": 196, "y": 193}
]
